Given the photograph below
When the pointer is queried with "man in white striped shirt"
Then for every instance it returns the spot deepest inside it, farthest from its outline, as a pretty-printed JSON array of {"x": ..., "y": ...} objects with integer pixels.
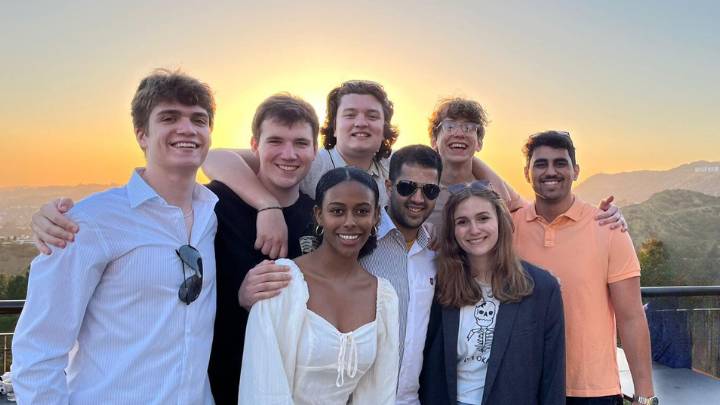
[
  {"x": 403, "y": 255},
  {"x": 125, "y": 314}
]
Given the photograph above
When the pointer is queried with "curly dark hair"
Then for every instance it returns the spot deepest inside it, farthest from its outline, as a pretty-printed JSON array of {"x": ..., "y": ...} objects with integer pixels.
[
  {"x": 390, "y": 132},
  {"x": 553, "y": 139}
]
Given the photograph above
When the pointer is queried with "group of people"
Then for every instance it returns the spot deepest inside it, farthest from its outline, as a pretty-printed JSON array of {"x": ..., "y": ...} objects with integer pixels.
[{"x": 347, "y": 273}]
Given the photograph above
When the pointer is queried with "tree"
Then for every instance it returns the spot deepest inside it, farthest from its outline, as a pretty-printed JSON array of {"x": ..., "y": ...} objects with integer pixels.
[{"x": 655, "y": 264}]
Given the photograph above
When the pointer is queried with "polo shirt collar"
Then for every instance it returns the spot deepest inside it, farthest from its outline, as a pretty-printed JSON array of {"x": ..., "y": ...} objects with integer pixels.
[{"x": 574, "y": 212}]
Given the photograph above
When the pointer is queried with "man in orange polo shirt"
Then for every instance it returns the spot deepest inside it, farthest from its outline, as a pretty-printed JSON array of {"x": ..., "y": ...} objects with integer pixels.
[{"x": 599, "y": 275}]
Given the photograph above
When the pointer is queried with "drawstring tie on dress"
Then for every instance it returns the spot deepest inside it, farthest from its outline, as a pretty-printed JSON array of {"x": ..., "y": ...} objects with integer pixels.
[{"x": 347, "y": 359}]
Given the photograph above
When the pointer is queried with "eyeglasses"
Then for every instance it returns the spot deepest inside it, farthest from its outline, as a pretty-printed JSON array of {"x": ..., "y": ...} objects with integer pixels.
[
  {"x": 449, "y": 126},
  {"x": 191, "y": 286},
  {"x": 406, "y": 188},
  {"x": 475, "y": 185}
]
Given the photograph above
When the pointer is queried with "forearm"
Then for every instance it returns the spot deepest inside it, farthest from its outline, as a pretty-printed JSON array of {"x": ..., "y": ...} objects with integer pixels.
[
  {"x": 232, "y": 169},
  {"x": 635, "y": 339},
  {"x": 481, "y": 171}
]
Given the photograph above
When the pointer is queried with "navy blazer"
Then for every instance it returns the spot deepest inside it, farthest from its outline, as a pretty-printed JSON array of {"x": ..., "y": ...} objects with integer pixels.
[{"x": 527, "y": 359}]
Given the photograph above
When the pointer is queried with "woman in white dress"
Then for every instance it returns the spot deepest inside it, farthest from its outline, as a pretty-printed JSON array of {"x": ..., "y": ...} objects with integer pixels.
[{"x": 330, "y": 337}]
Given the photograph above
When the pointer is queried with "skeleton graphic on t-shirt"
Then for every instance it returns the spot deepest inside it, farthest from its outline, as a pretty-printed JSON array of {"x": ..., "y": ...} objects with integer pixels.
[{"x": 485, "y": 313}]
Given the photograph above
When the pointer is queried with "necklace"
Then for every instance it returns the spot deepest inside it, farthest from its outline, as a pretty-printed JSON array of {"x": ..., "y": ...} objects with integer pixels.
[{"x": 189, "y": 214}]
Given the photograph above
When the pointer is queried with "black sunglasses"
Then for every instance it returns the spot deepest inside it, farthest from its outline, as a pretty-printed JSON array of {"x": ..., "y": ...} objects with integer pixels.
[
  {"x": 475, "y": 185},
  {"x": 407, "y": 188},
  {"x": 191, "y": 286}
]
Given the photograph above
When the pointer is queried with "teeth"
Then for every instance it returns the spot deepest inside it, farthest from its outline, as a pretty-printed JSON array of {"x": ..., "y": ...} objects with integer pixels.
[
  {"x": 348, "y": 237},
  {"x": 185, "y": 145},
  {"x": 362, "y": 134},
  {"x": 551, "y": 182},
  {"x": 287, "y": 167},
  {"x": 458, "y": 146},
  {"x": 415, "y": 209}
]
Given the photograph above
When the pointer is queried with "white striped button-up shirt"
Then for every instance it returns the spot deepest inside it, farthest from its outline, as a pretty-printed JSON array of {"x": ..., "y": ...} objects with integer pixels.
[
  {"x": 412, "y": 274},
  {"x": 112, "y": 295}
]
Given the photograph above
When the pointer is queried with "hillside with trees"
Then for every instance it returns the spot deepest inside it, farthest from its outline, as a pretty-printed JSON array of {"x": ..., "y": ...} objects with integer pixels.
[{"x": 677, "y": 237}]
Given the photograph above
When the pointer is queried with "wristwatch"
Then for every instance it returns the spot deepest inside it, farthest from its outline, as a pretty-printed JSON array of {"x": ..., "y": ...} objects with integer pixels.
[{"x": 647, "y": 400}]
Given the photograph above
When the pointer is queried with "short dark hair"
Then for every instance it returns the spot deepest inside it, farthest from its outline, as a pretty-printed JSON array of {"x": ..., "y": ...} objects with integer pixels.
[
  {"x": 341, "y": 174},
  {"x": 164, "y": 85},
  {"x": 458, "y": 108},
  {"x": 420, "y": 155},
  {"x": 390, "y": 133},
  {"x": 287, "y": 110},
  {"x": 553, "y": 139}
]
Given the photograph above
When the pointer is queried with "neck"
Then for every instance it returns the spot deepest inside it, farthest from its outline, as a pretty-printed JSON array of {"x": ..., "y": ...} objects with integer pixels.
[
  {"x": 175, "y": 188},
  {"x": 481, "y": 268},
  {"x": 335, "y": 265},
  {"x": 456, "y": 172},
  {"x": 285, "y": 196},
  {"x": 359, "y": 160},
  {"x": 550, "y": 210}
]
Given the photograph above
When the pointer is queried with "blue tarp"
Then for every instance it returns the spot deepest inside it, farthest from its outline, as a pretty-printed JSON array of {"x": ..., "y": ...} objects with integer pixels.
[{"x": 671, "y": 341}]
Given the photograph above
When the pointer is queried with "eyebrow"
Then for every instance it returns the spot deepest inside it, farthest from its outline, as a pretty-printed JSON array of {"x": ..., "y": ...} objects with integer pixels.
[{"x": 178, "y": 112}]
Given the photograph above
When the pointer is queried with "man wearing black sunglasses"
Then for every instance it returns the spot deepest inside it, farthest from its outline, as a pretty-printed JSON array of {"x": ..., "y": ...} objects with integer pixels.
[
  {"x": 135, "y": 292},
  {"x": 403, "y": 255}
]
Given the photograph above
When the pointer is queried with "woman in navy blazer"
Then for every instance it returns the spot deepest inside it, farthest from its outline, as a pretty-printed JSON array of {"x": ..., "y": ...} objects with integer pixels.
[{"x": 496, "y": 332}]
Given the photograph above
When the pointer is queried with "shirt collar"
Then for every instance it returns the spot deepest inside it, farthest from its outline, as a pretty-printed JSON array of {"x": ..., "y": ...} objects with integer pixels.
[
  {"x": 140, "y": 191},
  {"x": 338, "y": 161},
  {"x": 573, "y": 213}
]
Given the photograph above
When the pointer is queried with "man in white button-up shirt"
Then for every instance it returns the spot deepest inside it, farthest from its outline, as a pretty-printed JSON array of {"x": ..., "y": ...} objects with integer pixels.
[
  {"x": 125, "y": 314},
  {"x": 403, "y": 255}
]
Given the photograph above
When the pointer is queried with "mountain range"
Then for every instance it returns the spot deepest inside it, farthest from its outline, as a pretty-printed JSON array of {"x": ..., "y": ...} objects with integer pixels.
[{"x": 637, "y": 186}]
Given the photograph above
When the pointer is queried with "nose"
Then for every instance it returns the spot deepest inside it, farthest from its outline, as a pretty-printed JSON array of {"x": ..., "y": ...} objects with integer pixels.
[
  {"x": 360, "y": 120},
  {"x": 349, "y": 220},
  {"x": 417, "y": 196},
  {"x": 474, "y": 227},
  {"x": 185, "y": 126},
  {"x": 288, "y": 152}
]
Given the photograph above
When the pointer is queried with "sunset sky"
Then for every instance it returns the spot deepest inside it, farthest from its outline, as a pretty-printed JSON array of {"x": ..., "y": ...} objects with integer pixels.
[{"x": 635, "y": 82}]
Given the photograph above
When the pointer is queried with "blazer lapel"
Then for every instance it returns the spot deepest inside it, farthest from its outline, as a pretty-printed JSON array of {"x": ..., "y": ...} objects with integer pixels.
[
  {"x": 450, "y": 325},
  {"x": 501, "y": 337}
]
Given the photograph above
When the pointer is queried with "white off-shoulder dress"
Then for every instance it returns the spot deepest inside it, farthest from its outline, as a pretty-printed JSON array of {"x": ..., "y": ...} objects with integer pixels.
[{"x": 294, "y": 356}]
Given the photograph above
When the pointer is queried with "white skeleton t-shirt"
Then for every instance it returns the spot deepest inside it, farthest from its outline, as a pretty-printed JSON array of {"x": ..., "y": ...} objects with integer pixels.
[{"x": 475, "y": 337}]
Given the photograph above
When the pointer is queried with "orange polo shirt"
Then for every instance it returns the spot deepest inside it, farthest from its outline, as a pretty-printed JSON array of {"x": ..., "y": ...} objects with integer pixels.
[{"x": 585, "y": 257}]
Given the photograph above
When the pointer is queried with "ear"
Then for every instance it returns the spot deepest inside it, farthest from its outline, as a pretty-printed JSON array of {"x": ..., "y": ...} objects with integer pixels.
[
  {"x": 141, "y": 137},
  {"x": 317, "y": 214},
  {"x": 527, "y": 173},
  {"x": 254, "y": 144},
  {"x": 433, "y": 142},
  {"x": 576, "y": 172},
  {"x": 479, "y": 145},
  {"x": 388, "y": 186}
]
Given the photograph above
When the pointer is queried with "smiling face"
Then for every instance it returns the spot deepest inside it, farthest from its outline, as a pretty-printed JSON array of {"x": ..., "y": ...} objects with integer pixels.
[
  {"x": 408, "y": 213},
  {"x": 348, "y": 215},
  {"x": 476, "y": 226},
  {"x": 359, "y": 125},
  {"x": 176, "y": 137},
  {"x": 285, "y": 154},
  {"x": 456, "y": 146},
  {"x": 551, "y": 173}
]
